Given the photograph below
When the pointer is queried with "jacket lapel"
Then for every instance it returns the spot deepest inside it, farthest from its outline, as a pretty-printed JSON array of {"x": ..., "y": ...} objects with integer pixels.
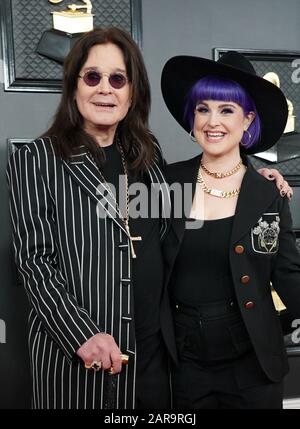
[
  {"x": 161, "y": 190},
  {"x": 255, "y": 197},
  {"x": 83, "y": 170}
]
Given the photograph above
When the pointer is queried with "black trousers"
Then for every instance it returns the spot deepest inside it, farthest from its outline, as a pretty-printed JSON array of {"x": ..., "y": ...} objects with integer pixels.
[
  {"x": 225, "y": 386},
  {"x": 218, "y": 367},
  {"x": 153, "y": 388}
]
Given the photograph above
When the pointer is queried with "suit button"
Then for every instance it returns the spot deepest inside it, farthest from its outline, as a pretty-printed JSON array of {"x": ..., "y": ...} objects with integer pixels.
[
  {"x": 249, "y": 305},
  {"x": 239, "y": 249},
  {"x": 245, "y": 280}
]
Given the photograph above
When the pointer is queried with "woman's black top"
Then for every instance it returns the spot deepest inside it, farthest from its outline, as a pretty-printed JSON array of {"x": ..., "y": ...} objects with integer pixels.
[{"x": 202, "y": 271}]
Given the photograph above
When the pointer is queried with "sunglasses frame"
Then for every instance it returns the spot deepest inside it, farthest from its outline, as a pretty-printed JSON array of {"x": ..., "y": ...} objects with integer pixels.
[{"x": 100, "y": 75}]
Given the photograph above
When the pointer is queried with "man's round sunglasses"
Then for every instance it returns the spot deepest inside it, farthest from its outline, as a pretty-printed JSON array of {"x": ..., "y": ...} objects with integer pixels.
[{"x": 116, "y": 80}]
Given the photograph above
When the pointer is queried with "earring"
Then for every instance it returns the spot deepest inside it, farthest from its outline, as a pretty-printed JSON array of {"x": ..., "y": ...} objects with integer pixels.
[
  {"x": 249, "y": 138},
  {"x": 192, "y": 137}
]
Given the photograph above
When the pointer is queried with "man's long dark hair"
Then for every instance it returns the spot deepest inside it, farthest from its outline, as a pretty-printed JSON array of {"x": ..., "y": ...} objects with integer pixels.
[{"x": 67, "y": 129}]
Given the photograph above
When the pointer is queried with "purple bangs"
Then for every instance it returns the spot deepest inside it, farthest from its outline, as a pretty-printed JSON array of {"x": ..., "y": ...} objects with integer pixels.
[{"x": 216, "y": 88}]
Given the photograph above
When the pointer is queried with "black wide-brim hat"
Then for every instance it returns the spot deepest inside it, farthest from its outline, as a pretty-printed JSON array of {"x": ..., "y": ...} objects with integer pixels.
[{"x": 180, "y": 73}]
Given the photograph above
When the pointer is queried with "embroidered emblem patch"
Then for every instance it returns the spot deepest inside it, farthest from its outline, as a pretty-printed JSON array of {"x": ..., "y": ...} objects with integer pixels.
[{"x": 264, "y": 235}]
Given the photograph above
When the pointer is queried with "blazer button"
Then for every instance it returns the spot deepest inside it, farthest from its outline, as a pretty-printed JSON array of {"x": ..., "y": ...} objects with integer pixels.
[
  {"x": 239, "y": 249},
  {"x": 245, "y": 280},
  {"x": 249, "y": 305},
  {"x": 123, "y": 246}
]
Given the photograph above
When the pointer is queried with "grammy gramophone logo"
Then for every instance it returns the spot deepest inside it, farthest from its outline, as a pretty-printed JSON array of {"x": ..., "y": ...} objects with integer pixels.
[{"x": 77, "y": 18}]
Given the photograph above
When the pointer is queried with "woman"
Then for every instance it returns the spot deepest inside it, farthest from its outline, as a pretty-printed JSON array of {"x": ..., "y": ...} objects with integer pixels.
[
  {"x": 85, "y": 260},
  {"x": 92, "y": 287},
  {"x": 235, "y": 238}
]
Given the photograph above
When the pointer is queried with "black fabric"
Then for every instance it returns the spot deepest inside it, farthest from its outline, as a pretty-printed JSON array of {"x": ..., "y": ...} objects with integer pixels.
[
  {"x": 112, "y": 168},
  {"x": 147, "y": 278},
  {"x": 238, "y": 385},
  {"x": 211, "y": 332},
  {"x": 153, "y": 382},
  {"x": 148, "y": 266},
  {"x": 193, "y": 280}
]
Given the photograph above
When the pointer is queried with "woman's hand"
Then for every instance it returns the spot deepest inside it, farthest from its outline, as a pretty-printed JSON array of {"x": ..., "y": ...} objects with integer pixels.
[
  {"x": 282, "y": 185},
  {"x": 102, "y": 349}
]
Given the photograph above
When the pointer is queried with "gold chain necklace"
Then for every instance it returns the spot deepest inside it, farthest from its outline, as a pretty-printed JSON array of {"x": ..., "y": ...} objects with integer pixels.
[
  {"x": 222, "y": 175},
  {"x": 125, "y": 219},
  {"x": 215, "y": 192}
]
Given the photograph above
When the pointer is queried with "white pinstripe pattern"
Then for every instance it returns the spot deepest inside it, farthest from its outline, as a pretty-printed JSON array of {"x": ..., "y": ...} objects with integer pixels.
[{"x": 72, "y": 264}]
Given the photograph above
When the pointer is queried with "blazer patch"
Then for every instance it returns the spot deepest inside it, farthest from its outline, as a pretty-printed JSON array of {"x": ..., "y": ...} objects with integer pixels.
[{"x": 264, "y": 235}]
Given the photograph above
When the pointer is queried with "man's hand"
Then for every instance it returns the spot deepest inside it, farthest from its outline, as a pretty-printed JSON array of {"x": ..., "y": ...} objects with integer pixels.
[
  {"x": 101, "y": 348},
  {"x": 282, "y": 185}
]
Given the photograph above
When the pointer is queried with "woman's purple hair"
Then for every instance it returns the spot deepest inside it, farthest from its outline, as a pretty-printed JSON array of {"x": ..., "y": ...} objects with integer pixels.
[{"x": 217, "y": 88}]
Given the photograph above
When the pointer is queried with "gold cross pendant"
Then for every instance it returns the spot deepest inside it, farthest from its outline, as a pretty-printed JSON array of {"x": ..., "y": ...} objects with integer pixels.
[{"x": 139, "y": 238}]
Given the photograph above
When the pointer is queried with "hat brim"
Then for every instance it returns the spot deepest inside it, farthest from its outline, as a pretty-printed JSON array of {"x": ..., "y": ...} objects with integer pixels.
[{"x": 180, "y": 73}]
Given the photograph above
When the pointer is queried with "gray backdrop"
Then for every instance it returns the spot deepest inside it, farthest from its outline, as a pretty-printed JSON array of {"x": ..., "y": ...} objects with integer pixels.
[{"x": 170, "y": 27}]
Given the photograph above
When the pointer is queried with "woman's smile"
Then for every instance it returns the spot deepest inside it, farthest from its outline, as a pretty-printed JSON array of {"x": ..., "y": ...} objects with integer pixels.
[{"x": 214, "y": 136}]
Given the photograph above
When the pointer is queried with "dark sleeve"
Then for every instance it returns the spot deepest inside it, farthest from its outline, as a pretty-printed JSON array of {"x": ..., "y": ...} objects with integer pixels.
[
  {"x": 34, "y": 238},
  {"x": 286, "y": 271}
]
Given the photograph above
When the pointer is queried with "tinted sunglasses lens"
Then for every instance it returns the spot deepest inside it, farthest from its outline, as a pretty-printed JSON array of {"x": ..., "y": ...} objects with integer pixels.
[
  {"x": 117, "y": 80},
  {"x": 92, "y": 78}
]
